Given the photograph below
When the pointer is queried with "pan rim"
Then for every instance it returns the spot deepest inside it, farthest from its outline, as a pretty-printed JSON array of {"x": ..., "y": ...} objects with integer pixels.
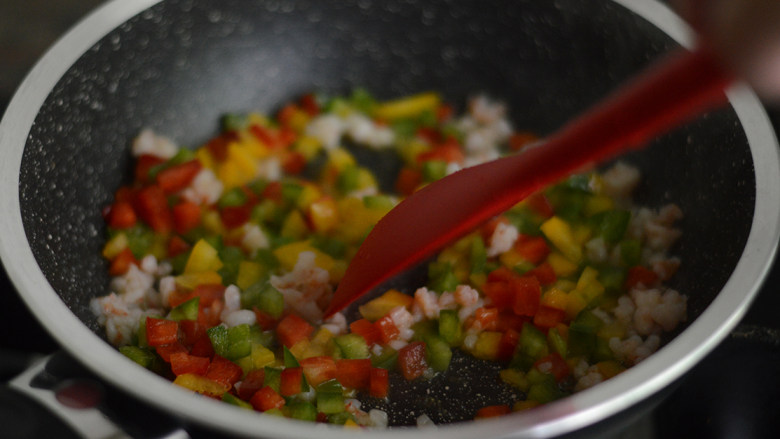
[{"x": 574, "y": 412}]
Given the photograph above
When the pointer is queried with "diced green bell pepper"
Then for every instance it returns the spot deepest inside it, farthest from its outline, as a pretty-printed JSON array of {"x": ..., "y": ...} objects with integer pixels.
[
  {"x": 478, "y": 255},
  {"x": 239, "y": 342},
  {"x": 388, "y": 359},
  {"x": 582, "y": 333},
  {"x": 265, "y": 297},
  {"x": 441, "y": 277},
  {"x": 611, "y": 224},
  {"x": 330, "y": 397},
  {"x": 219, "y": 340},
  {"x": 273, "y": 378},
  {"x": 231, "y": 399},
  {"x": 234, "y": 122},
  {"x": 352, "y": 346},
  {"x": 185, "y": 311},
  {"x": 232, "y": 198},
  {"x": 433, "y": 170},
  {"x": 302, "y": 410},
  {"x": 630, "y": 252},
  {"x": 438, "y": 352},
  {"x": 142, "y": 356},
  {"x": 449, "y": 327}
]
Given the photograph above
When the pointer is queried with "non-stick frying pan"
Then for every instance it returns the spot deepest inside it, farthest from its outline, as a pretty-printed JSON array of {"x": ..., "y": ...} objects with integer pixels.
[{"x": 177, "y": 65}]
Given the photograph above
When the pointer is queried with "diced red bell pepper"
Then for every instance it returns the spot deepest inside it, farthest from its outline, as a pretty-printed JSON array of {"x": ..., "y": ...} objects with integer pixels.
[
  {"x": 387, "y": 329},
  {"x": 207, "y": 294},
  {"x": 273, "y": 191},
  {"x": 500, "y": 293},
  {"x": 354, "y": 374},
  {"x": 492, "y": 411},
  {"x": 202, "y": 347},
  {"x": 218, "y": 146},
  {"x": 487, "y": 317},
  {"x": 125, "y": 193},
  {"x": 266, "y": 399},
  {"x": 161, "y": 331},
  {"x": 640, "y": 275},
  {"x": 165, "y": 351},
  {"x": 265, "y": 320},
  {"x": 548, "y": 317},
  {"x": 293, "y": 162},
  {"x": 540, "y": 204},
  {"x": 191, "y": 332},
  {"x": 444, "y": 112},
  {"x": 319, "y": 369},
  {"x": 507, "y": 319},
  {"x": 121, "y": 263},
  {"x": 309, "y": 104},
  {"x": 528, "y": 295},
  {"x": 533, "y": 249},
  {"x": 266, "y": 135},
  {"x": 507, "y": 345},
  {"x": 292, "y": 329},
  {"x": 178, "y": 177},
  {"x": 408, "y": 180},
  {"x": 544, "y": 273},
  {"x": 412, "y": 361},
  {"x": 285, "y": 115},
  {"x": 143, "y": 164},
  {"x": 291, "y": 381},
  {"x": 367, "y": 330},
  {"x": 209, "y": 316},
  {"x": 152, "y": 206},
  {"x": 177, "y": 246},
  {"x": 379, "y": 382},
  {"x": 235, "y": 216},
  {"x": 224, "y": 371},
  {"x": 553, "y": 364},
  {"x": 449, "y": 152},
  {"x": 182, "y": 362},
  {"x": 252, "y": 382},
  {"x": 186, "y": 216},
  {"x": 121, "y": 215}
]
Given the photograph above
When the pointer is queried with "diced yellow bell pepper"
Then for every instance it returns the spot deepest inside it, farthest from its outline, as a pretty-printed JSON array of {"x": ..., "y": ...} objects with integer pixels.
[
  {"x": 189, "y": 281},
  {"x": 321, "y": 344},
  {"x": 596, "y": 204},
  {"x": 561, "y": 265},
  {"x": 411, "y": 149},
  {"x": 377, "y": 308},
  {"x": 261, "y": 356},
  {"x": 407, "y": 107},
  {"x": 308, "y": 146},
  {"x": 555, "y": 298},
  {"x": 115, "y": 246},
  {"x": 340, "y": 159},
  {"x": 582, "y": 234},
  {"x": 294, "y": 225},
  {"x": 351, "y": 424},
  {"x": 511, "y": 258},
  {"x": 561, "y": 235},
  {"x": 486, "y": 347},
  {"x": 258, "y": 119},
  {"x": 565, "y": 285},
  {"x": 249, "y": 272},
  {"x": 299, "y": 120},
  {"x": 212, "y": 222},
  {"x": 203, "y": 257},
  {"x": 515, "y": 378},
  {"x": 299, "y": 348},
  {"x": 323, "y": 214},
  {"x": 614, "y": 329},
  {"x": 576, "y": 303},
  {"x": 200, "y": 384},
  {"x": 609, "y": 368},
  {"x": 588, "y": 285},
  {"x": 309, "y": 194},
  {"x": 205, "y": 157},
  {"x": 287, "y": 255}
]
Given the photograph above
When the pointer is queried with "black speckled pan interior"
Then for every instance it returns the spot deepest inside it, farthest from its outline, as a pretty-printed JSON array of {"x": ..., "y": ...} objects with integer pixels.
[{"x": 182, "y": 63}]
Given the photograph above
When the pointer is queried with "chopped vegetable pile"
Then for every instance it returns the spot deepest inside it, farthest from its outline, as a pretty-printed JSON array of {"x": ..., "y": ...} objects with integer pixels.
[{"x": 224, "y": 257}]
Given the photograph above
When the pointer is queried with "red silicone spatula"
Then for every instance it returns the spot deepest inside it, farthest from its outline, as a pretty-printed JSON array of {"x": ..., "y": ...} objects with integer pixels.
[{"x": 670, "y": 92}]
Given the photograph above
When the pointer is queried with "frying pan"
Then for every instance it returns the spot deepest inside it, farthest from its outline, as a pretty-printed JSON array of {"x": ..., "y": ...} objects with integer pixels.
[{"x": 177, "y": 65}]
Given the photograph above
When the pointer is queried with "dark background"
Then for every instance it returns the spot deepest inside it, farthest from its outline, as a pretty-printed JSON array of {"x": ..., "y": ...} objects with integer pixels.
[{"x": 734, "y": 393}]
